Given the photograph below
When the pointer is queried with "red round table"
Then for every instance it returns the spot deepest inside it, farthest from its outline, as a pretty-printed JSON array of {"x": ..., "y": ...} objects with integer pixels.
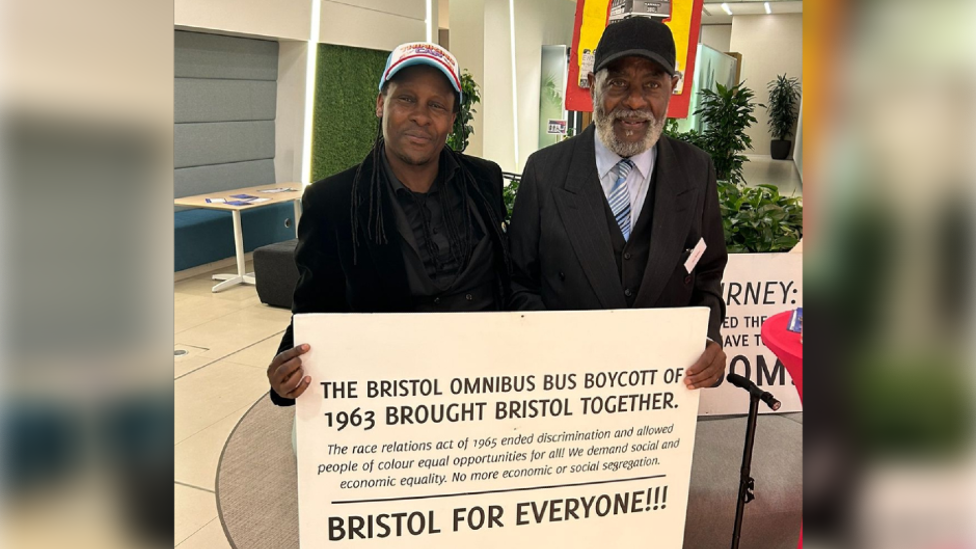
[
  {"x": 788, "y": 348},
  {"x": 786, "y": 345}
]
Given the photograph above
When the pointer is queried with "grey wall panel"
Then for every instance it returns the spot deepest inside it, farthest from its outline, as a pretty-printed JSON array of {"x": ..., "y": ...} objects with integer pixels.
[
  {"x": 222, "y": 177},
  {"x": 199, "y": 55},
  {"x": 220, "y": 142},
  {"x": 207, "y": 100}
]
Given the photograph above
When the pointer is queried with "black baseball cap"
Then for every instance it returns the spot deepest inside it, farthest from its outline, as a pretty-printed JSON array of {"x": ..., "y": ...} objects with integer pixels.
[{"x": 636, "y": 36}]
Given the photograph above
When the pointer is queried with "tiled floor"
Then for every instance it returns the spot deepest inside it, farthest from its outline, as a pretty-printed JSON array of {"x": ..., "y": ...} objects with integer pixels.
[
  {"x": 782, "y": 173},
  {"x": 230, "y": 338}
]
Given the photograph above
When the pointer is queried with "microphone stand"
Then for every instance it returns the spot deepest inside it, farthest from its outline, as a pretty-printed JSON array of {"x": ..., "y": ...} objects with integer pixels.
[{"x": 747, "y": 484}]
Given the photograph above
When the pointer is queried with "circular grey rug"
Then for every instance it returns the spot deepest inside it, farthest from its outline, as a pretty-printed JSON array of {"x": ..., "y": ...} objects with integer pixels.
[{"x": 257, "y": 480}]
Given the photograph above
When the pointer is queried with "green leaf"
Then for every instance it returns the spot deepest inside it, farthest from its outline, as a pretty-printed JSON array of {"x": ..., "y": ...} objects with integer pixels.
[
  {"x": 759, "y": 219},
  {"x": 784, "y": 99},
  {"x": 459, "y": 137}
]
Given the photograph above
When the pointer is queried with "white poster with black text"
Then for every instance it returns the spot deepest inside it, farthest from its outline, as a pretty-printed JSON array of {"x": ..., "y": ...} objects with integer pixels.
[
  {"x": 485, "y": 430},
  {"x": 756, "y": 287}
]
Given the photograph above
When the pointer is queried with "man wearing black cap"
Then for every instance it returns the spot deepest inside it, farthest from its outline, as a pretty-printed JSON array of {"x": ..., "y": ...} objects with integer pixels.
[
  {"x": 622, "y": 216},
  {"x": 415, "y": 227}
]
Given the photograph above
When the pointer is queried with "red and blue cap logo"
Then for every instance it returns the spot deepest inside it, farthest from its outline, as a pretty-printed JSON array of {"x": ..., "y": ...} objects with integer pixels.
[{"x": 423, "y": 53}]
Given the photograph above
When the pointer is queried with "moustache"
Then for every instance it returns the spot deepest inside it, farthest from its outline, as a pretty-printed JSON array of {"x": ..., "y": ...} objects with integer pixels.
[
  {"x": 643, "y": 115},
  {"x": 418, "y": 131}
]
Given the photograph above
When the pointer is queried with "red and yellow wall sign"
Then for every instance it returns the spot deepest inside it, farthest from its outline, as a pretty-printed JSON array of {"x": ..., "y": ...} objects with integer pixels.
[{"x": 592, "y": 17}]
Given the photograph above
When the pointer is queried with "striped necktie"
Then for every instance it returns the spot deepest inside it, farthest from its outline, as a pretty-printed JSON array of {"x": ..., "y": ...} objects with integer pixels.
[{"x": 619, "y": 198}]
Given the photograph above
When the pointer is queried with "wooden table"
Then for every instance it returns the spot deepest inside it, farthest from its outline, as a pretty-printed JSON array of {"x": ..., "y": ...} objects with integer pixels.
[{"x": 200, "y": 201}]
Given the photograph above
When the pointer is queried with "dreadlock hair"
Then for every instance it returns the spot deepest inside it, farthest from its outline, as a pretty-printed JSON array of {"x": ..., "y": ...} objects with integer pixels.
[
  {"x": 375, "y": 230},
  {"x": 458, "y": 222}
]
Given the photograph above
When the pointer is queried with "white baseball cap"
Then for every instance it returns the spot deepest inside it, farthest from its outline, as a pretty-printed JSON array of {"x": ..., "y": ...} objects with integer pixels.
[{"x": 423, "y": 53}]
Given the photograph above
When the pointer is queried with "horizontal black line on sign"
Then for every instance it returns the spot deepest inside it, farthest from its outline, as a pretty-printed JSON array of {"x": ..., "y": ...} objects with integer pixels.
[{"x": 434, "y": 496}]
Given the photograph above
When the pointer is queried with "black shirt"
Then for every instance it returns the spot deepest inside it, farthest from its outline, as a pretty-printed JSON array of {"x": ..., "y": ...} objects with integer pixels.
[{"x": 436, "y": 277}]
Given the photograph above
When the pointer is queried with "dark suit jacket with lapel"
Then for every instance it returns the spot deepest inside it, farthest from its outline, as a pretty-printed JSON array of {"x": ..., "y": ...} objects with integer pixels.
[
  {"x": 561, "y": 247},
  {"x": 330, "y": 281}
]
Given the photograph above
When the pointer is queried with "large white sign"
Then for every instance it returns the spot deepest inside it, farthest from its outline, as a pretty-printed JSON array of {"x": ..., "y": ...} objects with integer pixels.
[
  {"x": 756, "y": 287},
  {"x": 569, "y": 429}
]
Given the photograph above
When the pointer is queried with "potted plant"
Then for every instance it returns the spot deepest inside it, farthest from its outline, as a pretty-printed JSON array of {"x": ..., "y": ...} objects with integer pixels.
[
  {"x": 509, "y": 190},
  {"x": 692, "y": 137},
  {"x": 458, "y": 139},
  {"x": 756, "y": 219},
  {"x": 759, "y": 219},
  {"x": 759, "y": 224},
  {"x": 784, "y": 99},
  {"x": 726, "y": 114}
]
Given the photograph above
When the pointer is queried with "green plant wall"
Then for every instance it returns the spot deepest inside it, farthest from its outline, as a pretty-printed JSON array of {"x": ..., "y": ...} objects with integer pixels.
[{"x": 344, "y": 120}]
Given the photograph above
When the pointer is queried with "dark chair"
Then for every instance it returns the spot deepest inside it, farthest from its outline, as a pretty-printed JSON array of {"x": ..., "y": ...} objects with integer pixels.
[{"x": 276, "y": 273}]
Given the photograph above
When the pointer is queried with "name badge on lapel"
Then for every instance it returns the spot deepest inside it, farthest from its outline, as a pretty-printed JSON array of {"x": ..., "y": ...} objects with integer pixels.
[{"x": 696, "y": 254}]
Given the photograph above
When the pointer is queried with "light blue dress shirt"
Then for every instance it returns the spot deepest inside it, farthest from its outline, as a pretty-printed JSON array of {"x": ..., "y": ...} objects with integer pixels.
[{"x": 638, "y": 181}]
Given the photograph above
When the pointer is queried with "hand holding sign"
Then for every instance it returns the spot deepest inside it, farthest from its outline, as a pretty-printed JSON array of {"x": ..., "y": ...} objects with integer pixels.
[
  {"x": 709, "y": 370},
  {"x": 286, "y": 375}
]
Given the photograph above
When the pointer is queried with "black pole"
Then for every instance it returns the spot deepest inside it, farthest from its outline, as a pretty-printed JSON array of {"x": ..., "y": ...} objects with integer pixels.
[{"x": 746, "y": 483}]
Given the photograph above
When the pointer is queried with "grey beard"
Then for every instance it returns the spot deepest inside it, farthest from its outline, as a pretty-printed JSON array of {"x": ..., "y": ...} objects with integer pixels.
[{"x": 604, "y": 129}]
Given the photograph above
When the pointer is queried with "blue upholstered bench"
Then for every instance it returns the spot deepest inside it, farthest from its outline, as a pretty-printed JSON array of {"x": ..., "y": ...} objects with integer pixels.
[{"x": 205, "y": 236}]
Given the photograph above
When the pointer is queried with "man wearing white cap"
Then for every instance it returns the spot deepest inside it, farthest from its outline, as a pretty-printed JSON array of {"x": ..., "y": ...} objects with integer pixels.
[{"x": 415, "y": 227}]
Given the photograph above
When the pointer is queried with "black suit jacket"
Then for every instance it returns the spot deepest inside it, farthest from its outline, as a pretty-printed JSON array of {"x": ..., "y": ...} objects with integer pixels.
[
  {"x": 330, "y": 281},
  {"x": 562, "y": 255}
]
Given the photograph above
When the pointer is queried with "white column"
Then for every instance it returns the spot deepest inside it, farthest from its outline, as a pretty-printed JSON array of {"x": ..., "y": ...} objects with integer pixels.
[
  {"x": 468, "y": 46},
  {"x": 291, "y": 113}
]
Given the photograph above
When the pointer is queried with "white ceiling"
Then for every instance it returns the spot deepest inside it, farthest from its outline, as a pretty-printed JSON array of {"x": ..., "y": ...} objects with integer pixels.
[{"x": 713, "y": 14}]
